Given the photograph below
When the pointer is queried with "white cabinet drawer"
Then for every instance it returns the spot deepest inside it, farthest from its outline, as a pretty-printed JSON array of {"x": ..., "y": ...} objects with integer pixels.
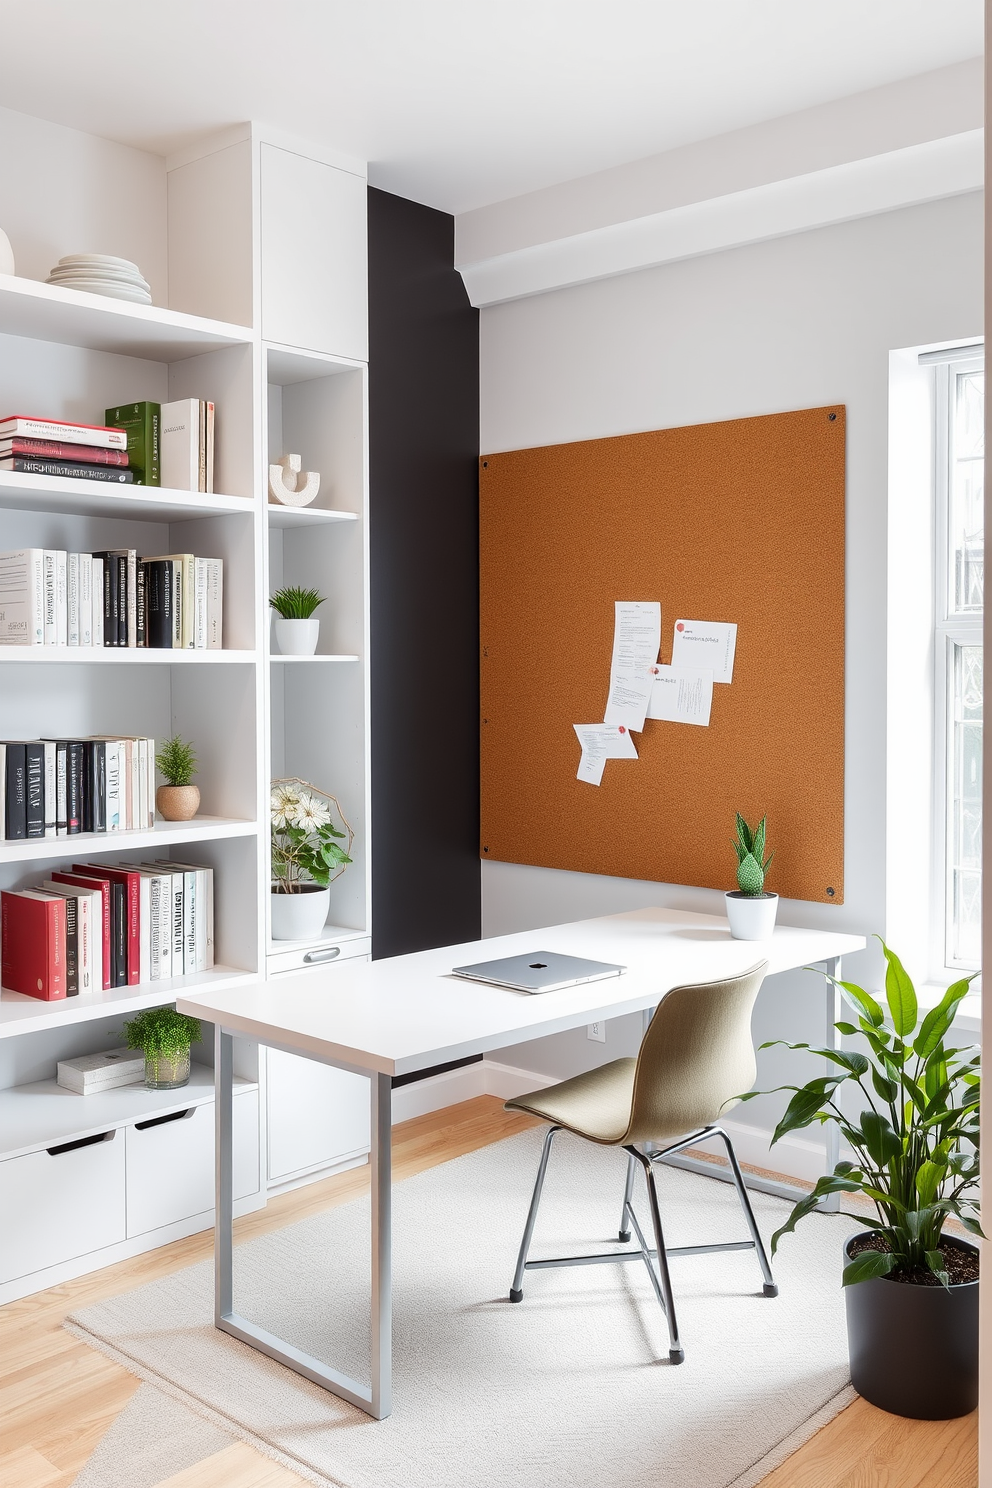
[
  {"x": 170, "y": 1164},
  {"x": 59, "y": 1204},
  {"x": 317, "y": 956},
  {"x": 317, "y": 1115}
]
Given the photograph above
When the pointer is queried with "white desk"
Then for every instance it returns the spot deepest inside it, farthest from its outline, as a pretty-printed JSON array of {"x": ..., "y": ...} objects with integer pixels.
[{"x": 393, "y": 1017}]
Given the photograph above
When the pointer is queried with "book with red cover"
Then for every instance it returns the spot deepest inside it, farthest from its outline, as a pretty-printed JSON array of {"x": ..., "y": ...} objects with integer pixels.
[
  {"x": 81, "y": 881},
  {"x": 58, "y": 449},
  {"x": 132, "y": 889},
  {"x": 33, "y": 930}
]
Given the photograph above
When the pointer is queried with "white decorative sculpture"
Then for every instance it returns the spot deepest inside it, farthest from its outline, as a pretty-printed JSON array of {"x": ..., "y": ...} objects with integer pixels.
[{"x": 290, "y": 484}]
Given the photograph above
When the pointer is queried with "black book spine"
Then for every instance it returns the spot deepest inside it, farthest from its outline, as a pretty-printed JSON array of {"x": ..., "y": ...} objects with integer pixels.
[
  {"x": 34, "y": 788},
  {"x": 61, "y": 788},
  {"x": 159, "y": 603},
  {"x": 118, "y": 930},
  {"x": 74, "y": 786},
  {"x": 98, "y": 784},
  {"x": 122, "y": 588},
  {"x": 111, "y": 599},
  {"x": 72, "y": 468},
  {"x": 142, "y": 604},
  {"x": 72, "y": 947},
  {"x": 16, "y": 804}
]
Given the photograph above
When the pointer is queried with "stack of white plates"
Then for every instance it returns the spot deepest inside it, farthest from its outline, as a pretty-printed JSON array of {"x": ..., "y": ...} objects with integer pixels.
[{"x": 98, "y": 273}]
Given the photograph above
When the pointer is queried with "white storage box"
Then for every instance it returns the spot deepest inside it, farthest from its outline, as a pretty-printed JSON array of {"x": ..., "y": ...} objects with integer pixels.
[{"x": 92, "y": 1072}]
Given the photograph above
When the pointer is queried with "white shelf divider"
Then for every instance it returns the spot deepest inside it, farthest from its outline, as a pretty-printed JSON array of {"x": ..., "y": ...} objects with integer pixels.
[
  {"x": 91, "y": 498},
  {"x": 299, "y": 659},
  {"x": 121, "y": 656},
  {"x": 82, "y": 844},
  {"x": 20, "y": 1014},
  {"x": 306, "y": 516}
]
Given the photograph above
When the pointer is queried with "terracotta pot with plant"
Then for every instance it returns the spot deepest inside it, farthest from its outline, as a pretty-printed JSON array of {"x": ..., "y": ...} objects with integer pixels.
[
  {"x": 911, "y": 1287},
  {"x": 179, "y": 798},
  {"x": 166, "y": 1037}
]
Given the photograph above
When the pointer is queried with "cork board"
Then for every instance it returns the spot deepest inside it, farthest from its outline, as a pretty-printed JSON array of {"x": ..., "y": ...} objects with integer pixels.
[{"x": 740, "y": 521}]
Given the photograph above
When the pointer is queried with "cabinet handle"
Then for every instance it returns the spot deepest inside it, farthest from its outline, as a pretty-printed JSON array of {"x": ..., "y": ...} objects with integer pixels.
[
  {"x": 107, "y": 1136},
  {"x": 312, "y": 958},
  {"x": 161, "y": 1120}
]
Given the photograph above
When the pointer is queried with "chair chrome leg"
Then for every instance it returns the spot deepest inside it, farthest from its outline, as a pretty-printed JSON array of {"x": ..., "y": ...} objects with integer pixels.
[
  {"x": 516, "y": 1290},
  {"x": 769, "y": 1288},
  {"x": 628, "y": 1193},
  {"x": 676, "y": 1353}
]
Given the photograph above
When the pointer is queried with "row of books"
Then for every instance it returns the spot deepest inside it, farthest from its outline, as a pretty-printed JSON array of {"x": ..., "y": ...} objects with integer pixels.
[
  {"x": 98, "y": 926},
  {"x": 143, "y": 444},
  {"x": 58, "y": 787},
  {"x": 49, "y": 597}
]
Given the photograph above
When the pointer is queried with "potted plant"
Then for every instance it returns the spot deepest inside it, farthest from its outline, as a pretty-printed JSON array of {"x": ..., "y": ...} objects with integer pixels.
[
  {"x": 751, "y": 909},
  {"x": 306, "y": 857},
  {"x": 165, "y": 1037},
  {"x": 911, "y": 1288},
  {"x": 295, "y": 626},
  {"x": 179, "y": 798}
]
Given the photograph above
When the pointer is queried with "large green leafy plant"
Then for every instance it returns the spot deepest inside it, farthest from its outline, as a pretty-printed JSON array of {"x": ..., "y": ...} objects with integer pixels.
[
  {"x": 305, "y": 840},
  {"x": 915, "y": 1141}
]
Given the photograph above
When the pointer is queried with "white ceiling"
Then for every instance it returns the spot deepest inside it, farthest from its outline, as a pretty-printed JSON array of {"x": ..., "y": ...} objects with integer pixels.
[{"x": 458, "y": 103}]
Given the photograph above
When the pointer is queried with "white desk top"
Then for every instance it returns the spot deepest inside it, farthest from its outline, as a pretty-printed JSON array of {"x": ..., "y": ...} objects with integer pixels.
[{"x": 408, "y": 1012}]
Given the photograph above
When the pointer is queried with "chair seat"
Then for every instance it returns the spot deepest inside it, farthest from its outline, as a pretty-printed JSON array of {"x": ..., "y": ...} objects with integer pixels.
[{"x": 595, "y": 1105}]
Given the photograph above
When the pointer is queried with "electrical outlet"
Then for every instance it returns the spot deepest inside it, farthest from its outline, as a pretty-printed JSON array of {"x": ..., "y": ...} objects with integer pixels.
[{"x": 596, "y": 1032}]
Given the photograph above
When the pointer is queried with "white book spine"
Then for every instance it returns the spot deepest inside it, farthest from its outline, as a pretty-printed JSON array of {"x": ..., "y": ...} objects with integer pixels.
[
  {"x": 180, "y": 444},
  {"x": 189, "y": 922},
  {"x": 154, "y": 929},
  {"x": 144, "y": 795},
  {"x": 209, "y": 919},
  {"x": 144, "y": 928},
  {"x": 29, "y": 428},
  {"x": 51, "y": 786},
  {"x": 178, "y": 931},
  {"x": 85, "y": 599},
  {"x": 211, "y": 413},
  {"x": 22, "y": 597},
  {"x": 62, "y": 597},
  {"x": 200, "y": 607},
  {"x": 96, "y": 591},
  {"x": 215, "y": 603},
  {"x": 84, "y": 942},
  {"x": 165, "y": 923},
  {"x": 114, "y": 748},
  {"x": 72, "y": 573},
  {"x": 51, "y": 606}
]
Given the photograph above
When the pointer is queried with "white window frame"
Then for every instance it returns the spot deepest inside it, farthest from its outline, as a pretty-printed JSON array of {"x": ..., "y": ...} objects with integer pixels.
[{"x": 950, "y": 630}]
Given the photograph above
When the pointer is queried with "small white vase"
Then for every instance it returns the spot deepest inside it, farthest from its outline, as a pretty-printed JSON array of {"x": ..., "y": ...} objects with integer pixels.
[
  {"x": 751, "y": 916},
  {"x": 296, "y": 637},
  {"x": 300, "y": 916}
]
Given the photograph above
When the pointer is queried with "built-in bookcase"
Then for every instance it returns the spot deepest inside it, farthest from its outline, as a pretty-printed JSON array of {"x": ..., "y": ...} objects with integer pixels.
[{"x": 250, "y": 715}]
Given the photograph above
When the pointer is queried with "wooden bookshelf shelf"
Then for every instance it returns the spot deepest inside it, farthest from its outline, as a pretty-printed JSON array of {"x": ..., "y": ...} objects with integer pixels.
[
  {"x": 85, "y": 844},
  {"x": 88, "y": 498},
  {"x": 20, "y": 1014}
]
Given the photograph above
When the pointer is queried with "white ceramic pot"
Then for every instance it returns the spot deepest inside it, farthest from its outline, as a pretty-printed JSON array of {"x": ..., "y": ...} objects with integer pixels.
[
  {"x": 300, "y": 916},
  {"x": 751, "y": 916},
  {"x": 296, "y": 637}
]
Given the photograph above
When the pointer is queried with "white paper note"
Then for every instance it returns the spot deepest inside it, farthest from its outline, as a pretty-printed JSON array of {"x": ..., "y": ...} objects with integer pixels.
[
  {"x": 636, "y": 639},
  {"x": 600, "y": 742},
  {"x": 679, "y": 695},
  {"x": 705, "y": 646}
]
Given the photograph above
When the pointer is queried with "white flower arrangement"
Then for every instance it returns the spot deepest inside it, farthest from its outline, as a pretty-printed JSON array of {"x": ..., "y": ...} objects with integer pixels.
[{"x": 305, "y": 840}]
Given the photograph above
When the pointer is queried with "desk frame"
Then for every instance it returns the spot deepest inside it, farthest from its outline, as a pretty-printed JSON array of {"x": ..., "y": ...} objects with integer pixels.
[{"x": 376, "y": 1399}]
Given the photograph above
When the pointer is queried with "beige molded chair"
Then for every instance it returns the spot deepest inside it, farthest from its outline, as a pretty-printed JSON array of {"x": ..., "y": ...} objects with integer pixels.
[{"x": 695, "y": 1059}]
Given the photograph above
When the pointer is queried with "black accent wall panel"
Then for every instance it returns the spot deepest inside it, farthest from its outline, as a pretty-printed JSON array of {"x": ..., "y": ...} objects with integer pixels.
[{"x": 424, "y": 543}]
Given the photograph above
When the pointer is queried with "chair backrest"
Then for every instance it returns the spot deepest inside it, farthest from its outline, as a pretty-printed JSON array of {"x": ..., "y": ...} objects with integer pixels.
[{"x": 695, "y": 1058}]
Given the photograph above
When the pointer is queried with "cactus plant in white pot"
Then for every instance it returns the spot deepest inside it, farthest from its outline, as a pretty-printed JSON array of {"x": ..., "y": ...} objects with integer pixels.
[{"x": 751, "y": 909}]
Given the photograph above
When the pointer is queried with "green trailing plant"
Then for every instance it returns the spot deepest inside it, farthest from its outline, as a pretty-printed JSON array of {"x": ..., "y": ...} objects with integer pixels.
[
  {"x": 915, "y": 1142},
  {"x": 177, "y": 761},
  {"x": 162, "y": 1033},
  {"x": 295, "y": 603},
  {"x": 752, "y": 865},
  {"x": 305, "y": 840}
]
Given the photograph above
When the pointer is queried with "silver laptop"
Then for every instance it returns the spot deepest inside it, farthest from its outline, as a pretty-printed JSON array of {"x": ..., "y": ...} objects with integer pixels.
[{"x": 540, "y": 971}]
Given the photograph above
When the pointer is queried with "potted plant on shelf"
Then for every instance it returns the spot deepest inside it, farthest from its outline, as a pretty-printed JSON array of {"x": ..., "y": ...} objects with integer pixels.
[
  {"x": 911, "y": 1288},
  {"x": 179, "y": 798},
  {"x": 306, "y": 856},
  {"x": 165, "y": 1036},
  {"x": 751, "y": 909},
  {"x": 295, "y": 626}
]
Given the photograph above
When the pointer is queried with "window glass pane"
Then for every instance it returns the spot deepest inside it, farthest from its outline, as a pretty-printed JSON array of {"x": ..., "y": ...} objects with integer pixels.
[
  {"x": 966, "y": 544},
  {"x": 965, "y": 827}
]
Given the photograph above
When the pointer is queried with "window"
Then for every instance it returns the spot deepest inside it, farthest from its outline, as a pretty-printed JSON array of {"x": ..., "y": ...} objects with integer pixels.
[{"x": 959, "y": 469}]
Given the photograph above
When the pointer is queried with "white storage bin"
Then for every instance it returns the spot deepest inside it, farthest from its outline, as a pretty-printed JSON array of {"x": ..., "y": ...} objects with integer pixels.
[
  {"x": 317, "y": 1115},
  {"x": 61, "y": 1203},
  {"x": 312, "y": 957},
  {"x": 170, "y": 1164}
]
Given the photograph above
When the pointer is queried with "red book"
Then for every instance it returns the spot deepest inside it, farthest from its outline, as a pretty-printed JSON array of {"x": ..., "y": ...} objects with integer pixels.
[
  {"x": 82, "y": 882},
  {"x": 33, "y": 930},
  {"x": 57, "y": 449},
  {"x": 132, "y": 890}
]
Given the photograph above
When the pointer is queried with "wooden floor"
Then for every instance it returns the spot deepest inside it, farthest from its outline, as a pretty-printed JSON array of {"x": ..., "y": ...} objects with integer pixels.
[{"x": 57, "y": 1396}]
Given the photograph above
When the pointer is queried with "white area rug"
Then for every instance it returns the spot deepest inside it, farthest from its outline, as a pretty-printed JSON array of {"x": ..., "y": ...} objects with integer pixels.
[{"x": 569, "y": 1389}]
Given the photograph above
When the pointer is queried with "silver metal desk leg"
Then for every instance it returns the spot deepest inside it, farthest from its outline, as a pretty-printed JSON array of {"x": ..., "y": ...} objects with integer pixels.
[
  {"x": 224, "y": 1173},
  {"x": 831, "y": 1204},
  {"x": 382, "y": 1271}
]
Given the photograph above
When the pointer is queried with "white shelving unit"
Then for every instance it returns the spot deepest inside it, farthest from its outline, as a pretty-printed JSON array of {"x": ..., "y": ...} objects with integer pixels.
[{"x": 241, "y": 298}]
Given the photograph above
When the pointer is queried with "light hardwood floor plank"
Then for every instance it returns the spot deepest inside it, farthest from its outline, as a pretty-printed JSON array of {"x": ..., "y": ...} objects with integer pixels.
[{"x": 238, "y": 1466}]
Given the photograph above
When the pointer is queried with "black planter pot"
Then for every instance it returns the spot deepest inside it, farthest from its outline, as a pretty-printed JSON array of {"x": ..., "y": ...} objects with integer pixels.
[{"x": 914, "y": 1349}]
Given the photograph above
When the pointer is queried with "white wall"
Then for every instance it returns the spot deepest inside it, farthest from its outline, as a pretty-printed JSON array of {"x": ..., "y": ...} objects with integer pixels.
[{"x": 797, "y": 322}]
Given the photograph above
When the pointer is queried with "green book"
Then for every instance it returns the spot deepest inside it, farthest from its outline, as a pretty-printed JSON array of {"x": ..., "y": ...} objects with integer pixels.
[{"x": 142, "y": 421}]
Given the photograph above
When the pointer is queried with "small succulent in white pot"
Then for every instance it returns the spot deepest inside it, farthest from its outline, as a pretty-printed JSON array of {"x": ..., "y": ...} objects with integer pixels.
[{"x": 751, "y": 909}]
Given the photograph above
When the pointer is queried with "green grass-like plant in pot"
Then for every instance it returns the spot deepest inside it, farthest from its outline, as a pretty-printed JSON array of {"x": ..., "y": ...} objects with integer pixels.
[
  {"x": 296, "y": 626},
  {"x": 751, "y": 909},
  {"x": 910, "y": 1120},
  {"x": 178, "y": 799},
  {"x": 165, "y": 1037}
]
